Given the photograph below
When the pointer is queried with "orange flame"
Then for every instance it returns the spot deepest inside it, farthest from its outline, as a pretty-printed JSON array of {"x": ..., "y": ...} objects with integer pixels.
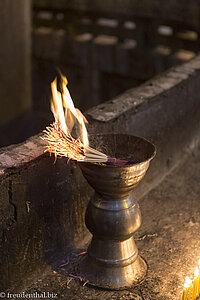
[
  {"x": 64, "y": 111},
  {"x": 58, "y": 135},
  {"x": 196, "y": 272},
  {"x": 187, "y": 283}
]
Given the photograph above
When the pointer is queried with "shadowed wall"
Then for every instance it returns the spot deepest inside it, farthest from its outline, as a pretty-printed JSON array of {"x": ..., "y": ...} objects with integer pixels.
[{"x": 15, "y": 48}]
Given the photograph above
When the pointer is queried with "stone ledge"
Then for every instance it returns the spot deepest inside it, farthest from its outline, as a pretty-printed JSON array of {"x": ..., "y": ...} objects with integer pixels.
[
  {"x": 17, "y": 155},
  {"x": 133, "y": 98}
]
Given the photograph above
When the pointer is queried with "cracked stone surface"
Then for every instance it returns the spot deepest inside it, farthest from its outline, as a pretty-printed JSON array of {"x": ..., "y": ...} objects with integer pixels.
[{"x": 169, "y": 240}]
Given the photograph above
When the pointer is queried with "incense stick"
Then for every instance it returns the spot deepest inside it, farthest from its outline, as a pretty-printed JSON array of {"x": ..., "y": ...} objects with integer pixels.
[{"x": 62, "y": 144}]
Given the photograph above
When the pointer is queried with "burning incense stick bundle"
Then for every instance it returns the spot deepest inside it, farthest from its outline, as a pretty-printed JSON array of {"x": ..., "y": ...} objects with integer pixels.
[
  {"x": 62, "y": 144},
  {"x": 58, "y": 135}
]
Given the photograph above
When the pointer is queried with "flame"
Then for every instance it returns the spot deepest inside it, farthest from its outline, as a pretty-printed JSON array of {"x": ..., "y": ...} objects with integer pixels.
[
  {"x": 196, "y": 272},
  {"x": 58, "y": 136},
  {"x": 187, "y": 283},
  {"x": 64, "y": 111}
]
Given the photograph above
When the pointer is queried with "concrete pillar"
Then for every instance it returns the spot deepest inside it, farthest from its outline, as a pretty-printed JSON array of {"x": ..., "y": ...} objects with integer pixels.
[{"x": 15, "y": 49}]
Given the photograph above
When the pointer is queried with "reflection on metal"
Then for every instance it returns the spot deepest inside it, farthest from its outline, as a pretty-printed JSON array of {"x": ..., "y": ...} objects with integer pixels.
[{"x": 113, "y": 215}]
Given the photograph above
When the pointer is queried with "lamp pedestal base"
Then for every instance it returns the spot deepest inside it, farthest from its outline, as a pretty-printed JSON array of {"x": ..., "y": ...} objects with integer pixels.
[
  {"x": 113, "y": 215},
  {"x": 113, "y": 274}
]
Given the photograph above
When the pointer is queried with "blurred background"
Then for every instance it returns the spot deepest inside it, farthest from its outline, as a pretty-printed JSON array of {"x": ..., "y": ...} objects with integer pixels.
[{"x": 103, "y": 47}]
